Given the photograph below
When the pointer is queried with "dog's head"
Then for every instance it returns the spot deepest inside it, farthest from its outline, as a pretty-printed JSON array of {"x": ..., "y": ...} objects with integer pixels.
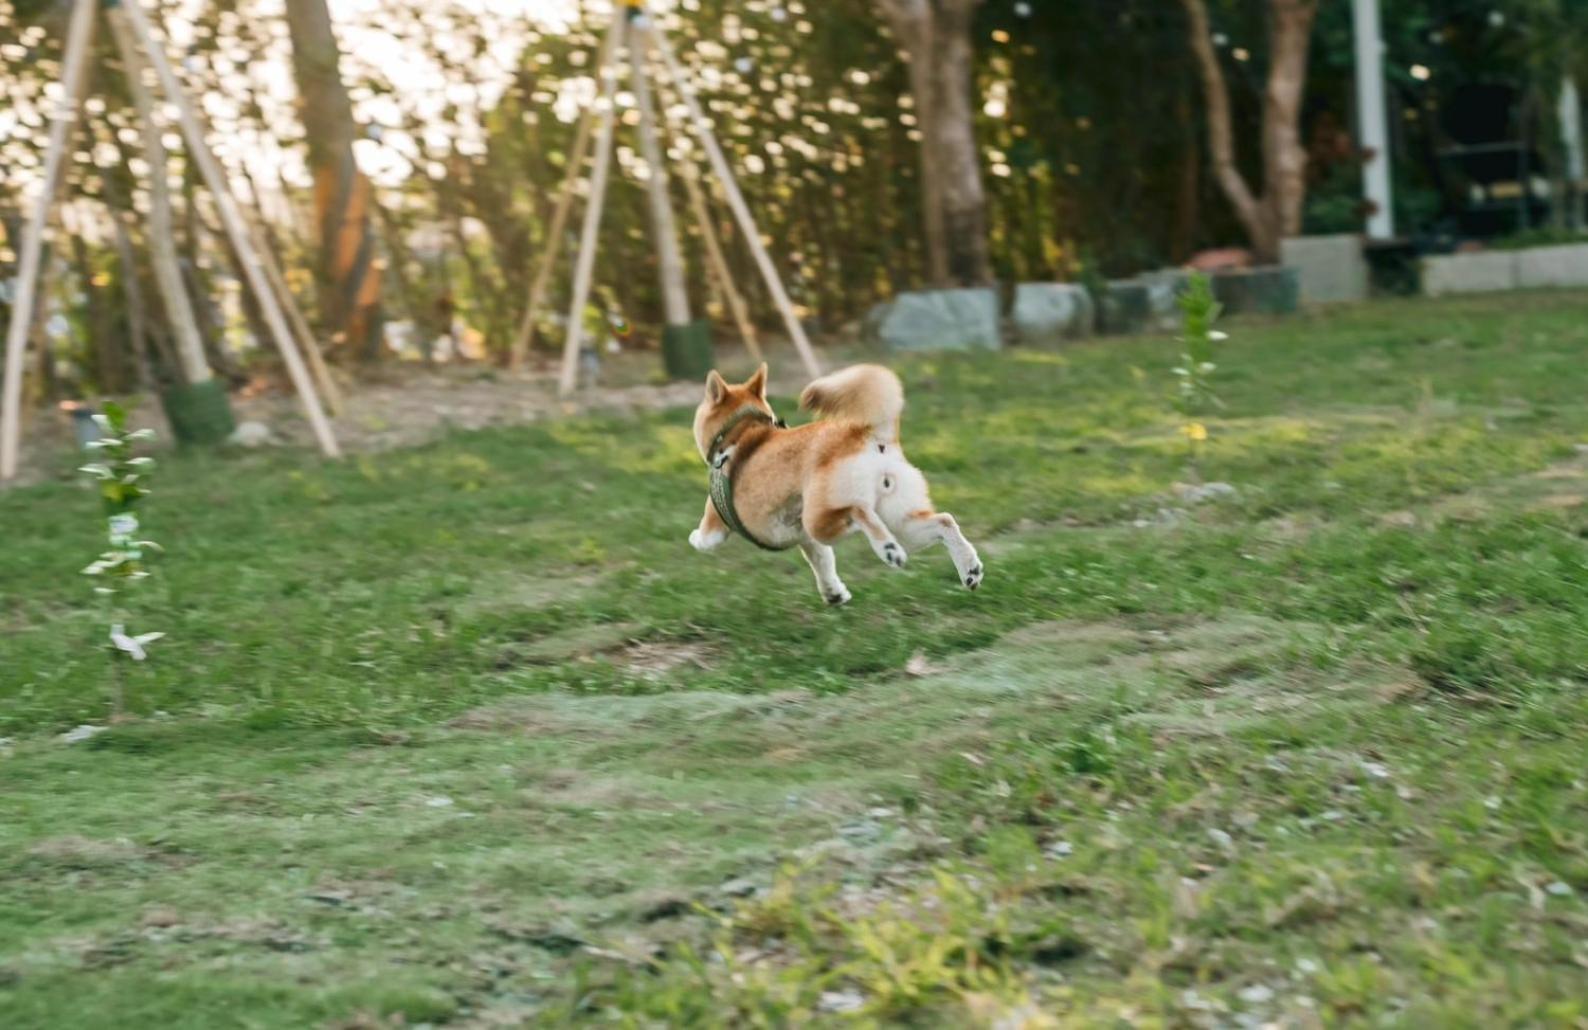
[{"x": 723, "y": 400}]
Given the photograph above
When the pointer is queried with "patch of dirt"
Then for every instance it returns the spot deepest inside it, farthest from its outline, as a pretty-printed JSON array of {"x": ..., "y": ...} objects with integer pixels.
[
  {"x": 656, "y": 660},
  {"x": 401, "y": 408},
  {"x": 653, "y": 660},
  {"x": 73, "y": 852},
  {"x": 611, "y": 717},
  {"x": 1562, "y": 486},
  {"x": 515, "y": 592},
  {"x": 1185, "y": 675},
  {"x": 402, "y": 405}
]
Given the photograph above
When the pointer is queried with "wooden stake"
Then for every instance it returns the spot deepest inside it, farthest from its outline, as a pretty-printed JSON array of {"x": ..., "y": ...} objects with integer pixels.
[
  {"x": 675, "y": 292},
  {"x": 554, "y": 235},
  {"x": 236, "y": 229},
  {"x": 253, "y": 214},
  {"x": 741, "y": 211},
  {"x": 264, "y": 245},
  {"x": 592, "y": 215},
  {"x": 195, "y": 367},
  {"x": 74, "y": 77},
  {"x": 554, "y": 241},
  {"x": 300, "y": 326},
  {"x": 718, "y": 263}
]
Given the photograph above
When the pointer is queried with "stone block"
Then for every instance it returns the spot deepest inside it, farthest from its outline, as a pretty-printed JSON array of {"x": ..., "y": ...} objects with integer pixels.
[
  {"x": 1265, "y": 290},
  {"x": 1049, "y": 313},
  {"x": 1331, "y": 269},
  {"x": 1483, "y": 272},
  {"x": 1164, "y": 287},
  {"x": 1539, "y": 267},
  {"x": 941, "y": 320},
  {"x": 1125, "y": 308}
]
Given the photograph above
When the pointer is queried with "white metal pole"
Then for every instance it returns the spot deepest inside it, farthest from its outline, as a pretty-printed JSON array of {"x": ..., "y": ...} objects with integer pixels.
[
  {"x": 585, "y": 268},
  {"x": 74, "y": 76},
  {"x": 1372, "y": 125},
  {"x": 741, "y": 211},
  {"x": 236, "y": 230},
  {"x": 1570, "y": 114}
]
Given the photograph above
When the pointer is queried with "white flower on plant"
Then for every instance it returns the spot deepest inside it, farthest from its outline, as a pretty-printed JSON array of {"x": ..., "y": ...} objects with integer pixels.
[
  {"x": 133, "y": 646},
  {"x": 103, "y": 422},
  {"x": 124, "y": 524},
  {"x": 1217, "y": 335},
  {"x": 97, "y": 471}
]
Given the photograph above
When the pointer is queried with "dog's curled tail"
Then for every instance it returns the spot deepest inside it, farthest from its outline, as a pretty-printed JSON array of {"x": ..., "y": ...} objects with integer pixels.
[{"x": 869, "y": 394}]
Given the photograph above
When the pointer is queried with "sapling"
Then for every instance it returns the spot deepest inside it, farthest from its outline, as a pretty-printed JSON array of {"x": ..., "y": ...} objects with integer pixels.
[
  {"x": 1194, "y": 396},
  {"x": 122, "y": 479}
]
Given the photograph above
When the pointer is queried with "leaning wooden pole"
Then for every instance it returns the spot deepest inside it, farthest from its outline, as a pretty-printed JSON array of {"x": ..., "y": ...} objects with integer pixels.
[
  {"x": 585, "y": 269},
  {"x": 741, "y": 210},
  {"x": 74, "y": 76},
  {"x": 554, "y": 241},
  {"x": 718, "y": 262},
  {"x": 664, "y": 229},
  {"x": 254, "y": 217},
  {"x": 193, "y": 364},
  {"x": 236, "y": 230},
  {"x": 300, "y": 324}
]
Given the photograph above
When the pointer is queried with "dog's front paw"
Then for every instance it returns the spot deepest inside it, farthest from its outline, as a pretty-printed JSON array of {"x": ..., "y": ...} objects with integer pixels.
[
  {"x": 839, "y": 595},
  {"x": 973, "y": 576},
  {"x": 703, "y": 541},
  {"x": 892, "y": 554}
]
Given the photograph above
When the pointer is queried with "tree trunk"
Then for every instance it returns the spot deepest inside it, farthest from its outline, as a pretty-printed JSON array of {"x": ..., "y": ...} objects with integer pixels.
[
  {"x": 1276, "y": 214},
  {"x": 1284, "y": 154},
  {"x": 349, "y": 280},
  {"x": 935, "y": 36}
]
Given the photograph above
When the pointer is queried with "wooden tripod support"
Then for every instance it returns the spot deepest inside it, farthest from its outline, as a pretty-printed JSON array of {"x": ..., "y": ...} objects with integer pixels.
[
  {"x": 632, "y": 22},
  {"x": 74, "y": 78}
]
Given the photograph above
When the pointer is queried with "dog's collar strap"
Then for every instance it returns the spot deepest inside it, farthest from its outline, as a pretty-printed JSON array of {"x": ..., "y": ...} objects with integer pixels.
[{"x": 722, "y": 472}]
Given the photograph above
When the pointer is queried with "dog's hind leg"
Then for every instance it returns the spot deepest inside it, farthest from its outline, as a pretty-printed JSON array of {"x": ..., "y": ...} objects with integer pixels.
[
  {"x": 825, "y": 564},
  {"x": 712, "y": 531},
  {"x": 882, "y": 540},
  {"x": 922, "y": 528}
]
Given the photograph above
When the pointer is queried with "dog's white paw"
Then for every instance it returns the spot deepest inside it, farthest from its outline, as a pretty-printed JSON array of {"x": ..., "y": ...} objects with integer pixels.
[
  {"x": 893, "y": 554},
  {"x": 706, "y": 541},
  {"x": 838, "y": 595},
  {"x": 973, "y": 576}
]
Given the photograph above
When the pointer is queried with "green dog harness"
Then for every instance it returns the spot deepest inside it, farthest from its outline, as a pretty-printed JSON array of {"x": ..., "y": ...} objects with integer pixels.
[{"x": 722, "y": 473}]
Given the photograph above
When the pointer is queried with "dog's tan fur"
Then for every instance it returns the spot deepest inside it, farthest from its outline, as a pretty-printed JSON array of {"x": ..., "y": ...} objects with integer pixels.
[{"x": 814, "y": 484}]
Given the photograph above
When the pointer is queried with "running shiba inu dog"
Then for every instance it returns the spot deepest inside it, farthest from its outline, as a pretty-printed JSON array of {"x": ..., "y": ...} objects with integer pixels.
[{"x": 808, "y": 486}]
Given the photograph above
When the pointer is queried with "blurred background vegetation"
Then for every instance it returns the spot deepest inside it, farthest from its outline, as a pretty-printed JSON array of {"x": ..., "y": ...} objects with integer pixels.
[{"x": 460, "y": 115}]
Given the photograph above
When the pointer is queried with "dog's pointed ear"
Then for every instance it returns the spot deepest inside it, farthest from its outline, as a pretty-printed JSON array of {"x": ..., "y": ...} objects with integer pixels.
[
  {"x": 756, "y": 384},
  {"x": 716, "y": 386}
]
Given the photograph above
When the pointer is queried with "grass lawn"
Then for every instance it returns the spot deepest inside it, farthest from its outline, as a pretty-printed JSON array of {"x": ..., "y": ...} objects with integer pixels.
[{"x": 468, "y": 735}]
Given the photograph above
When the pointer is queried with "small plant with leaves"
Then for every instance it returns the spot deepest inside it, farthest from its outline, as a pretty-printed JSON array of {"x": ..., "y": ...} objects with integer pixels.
[
  {"x": 122, "y": 479},
  {"x": 1194, "y": 396}
]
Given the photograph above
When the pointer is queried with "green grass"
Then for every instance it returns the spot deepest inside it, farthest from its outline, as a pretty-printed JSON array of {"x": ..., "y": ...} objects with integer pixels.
[{"x": 468, "y": 734}]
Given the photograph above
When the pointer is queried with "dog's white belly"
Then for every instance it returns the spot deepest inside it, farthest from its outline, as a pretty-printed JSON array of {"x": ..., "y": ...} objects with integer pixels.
[{"x": 784, "y": 528}]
